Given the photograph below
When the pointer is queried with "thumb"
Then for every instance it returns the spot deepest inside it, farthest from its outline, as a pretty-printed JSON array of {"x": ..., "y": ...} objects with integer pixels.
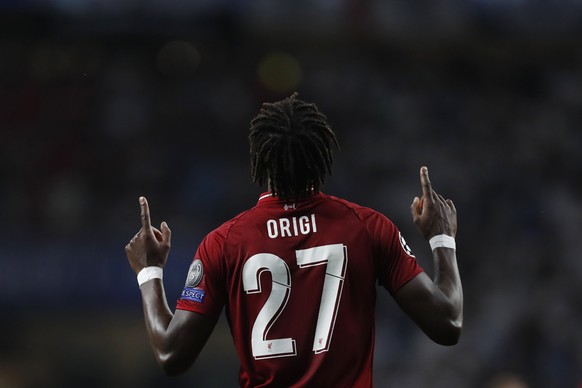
[
  {"x": 414, "y": 207},
  {"x": 166, "y": 232}
]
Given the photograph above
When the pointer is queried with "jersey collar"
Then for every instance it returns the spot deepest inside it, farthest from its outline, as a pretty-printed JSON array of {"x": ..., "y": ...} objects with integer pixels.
[{"x": 268, "y": 197}]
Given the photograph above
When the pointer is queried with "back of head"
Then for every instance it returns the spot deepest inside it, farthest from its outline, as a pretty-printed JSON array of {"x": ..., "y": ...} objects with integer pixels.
[{"x": 291, "y": 146}]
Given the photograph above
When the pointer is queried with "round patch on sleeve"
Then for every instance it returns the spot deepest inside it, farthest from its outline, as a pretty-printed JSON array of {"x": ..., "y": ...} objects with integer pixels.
[{"x": 195, "y": 273}]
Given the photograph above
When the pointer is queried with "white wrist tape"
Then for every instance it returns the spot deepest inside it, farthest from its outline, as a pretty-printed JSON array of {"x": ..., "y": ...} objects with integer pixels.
[
  {"x": 149, "y": 273},
  {"x": 442, "y": 241}
]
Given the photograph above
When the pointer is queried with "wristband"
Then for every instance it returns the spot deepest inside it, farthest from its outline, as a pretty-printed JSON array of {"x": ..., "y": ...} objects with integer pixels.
[
  {"x": 149, "y": 273},
  {"x": 442, "y": 241}
]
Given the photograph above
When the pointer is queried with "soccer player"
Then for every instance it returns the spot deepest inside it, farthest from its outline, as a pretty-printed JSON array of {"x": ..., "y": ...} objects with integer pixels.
[{"x": 297, "y": 273}]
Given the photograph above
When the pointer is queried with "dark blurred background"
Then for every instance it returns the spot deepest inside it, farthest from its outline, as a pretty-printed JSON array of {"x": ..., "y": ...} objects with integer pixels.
[{"x": 102, "y": 101}]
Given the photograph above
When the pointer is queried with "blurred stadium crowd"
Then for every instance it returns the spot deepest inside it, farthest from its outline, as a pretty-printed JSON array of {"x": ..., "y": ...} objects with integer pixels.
[{"x": 101, "y": 102}]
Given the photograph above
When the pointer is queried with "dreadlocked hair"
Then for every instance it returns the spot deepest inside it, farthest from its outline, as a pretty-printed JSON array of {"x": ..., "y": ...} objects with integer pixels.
[{"x": 291, "y": 147}]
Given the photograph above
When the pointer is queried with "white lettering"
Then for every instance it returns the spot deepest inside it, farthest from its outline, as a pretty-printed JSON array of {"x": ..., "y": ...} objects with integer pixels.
[
  {"x": 272, "y": 229},
  {"x": 289, "y": 227},
  {"x": 304, "y": 224},
  {"x": 284, "y": 225}
]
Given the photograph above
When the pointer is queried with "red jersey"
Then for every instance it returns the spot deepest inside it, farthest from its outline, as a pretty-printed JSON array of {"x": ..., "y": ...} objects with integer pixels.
[{"x": 299, "y": 284}]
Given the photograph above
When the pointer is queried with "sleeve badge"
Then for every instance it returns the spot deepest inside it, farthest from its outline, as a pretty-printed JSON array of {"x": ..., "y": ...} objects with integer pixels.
[{"x": 195, "y": 274}]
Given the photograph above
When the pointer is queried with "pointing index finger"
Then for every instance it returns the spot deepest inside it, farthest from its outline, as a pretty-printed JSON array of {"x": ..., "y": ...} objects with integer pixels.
[
  {"x": 145, "y": 213},
  {"x": 425, "y": 182}
]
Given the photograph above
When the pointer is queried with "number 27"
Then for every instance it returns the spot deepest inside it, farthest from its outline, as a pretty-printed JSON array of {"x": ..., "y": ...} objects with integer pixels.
[{"x": 334, "y": 256}]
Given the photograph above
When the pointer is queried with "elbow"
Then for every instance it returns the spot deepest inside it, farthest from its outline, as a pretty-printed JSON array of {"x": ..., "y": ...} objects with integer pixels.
[
  {"x": 449, "y": 334},
  {"x": 171, "y": 365},
  {"x": 450, "y": 326},
  {"x": 171, "y": 371}
]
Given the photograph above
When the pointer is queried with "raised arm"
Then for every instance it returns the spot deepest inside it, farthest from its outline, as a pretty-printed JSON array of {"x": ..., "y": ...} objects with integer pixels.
[
  {"x": 435, "y": 305},
  {"x": 178, "y": 338}
]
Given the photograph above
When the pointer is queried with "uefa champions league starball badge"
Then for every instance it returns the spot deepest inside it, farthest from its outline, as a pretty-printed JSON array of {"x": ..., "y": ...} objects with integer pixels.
[{"x": 195, "y": 274}]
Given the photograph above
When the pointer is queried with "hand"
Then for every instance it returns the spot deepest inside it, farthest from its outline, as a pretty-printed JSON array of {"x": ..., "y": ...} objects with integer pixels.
[
  {"x": 150, "y": 246},
  {"x": 431, "y": 213}
]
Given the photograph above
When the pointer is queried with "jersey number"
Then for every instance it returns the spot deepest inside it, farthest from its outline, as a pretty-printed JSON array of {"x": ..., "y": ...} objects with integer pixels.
[{"x": 334, "y": 257}]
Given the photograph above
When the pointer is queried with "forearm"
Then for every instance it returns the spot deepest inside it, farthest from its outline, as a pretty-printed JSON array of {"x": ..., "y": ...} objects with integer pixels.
[
  {"x": 448, "y": 280},
  {"x": 176, "y": 339},
  {"x": 157, "y": 315}
]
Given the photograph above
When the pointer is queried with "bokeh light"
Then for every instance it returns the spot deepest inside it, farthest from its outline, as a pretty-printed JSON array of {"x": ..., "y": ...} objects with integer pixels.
[
  {"x": 178, "y": 59},
  {"x": 279, "y": 72}
]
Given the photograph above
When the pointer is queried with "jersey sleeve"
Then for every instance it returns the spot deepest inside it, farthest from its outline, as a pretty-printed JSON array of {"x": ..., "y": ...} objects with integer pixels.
[
  {"x": 394, "y": 259},
  {"x": 204, "y": 291}
]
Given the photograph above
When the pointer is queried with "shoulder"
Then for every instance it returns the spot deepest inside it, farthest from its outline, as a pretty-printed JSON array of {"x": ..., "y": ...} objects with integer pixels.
[
  {"x": 221, "y": 232},
  {"x": 364, "y": 213},
  {"x": 377, "y": 225}
]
